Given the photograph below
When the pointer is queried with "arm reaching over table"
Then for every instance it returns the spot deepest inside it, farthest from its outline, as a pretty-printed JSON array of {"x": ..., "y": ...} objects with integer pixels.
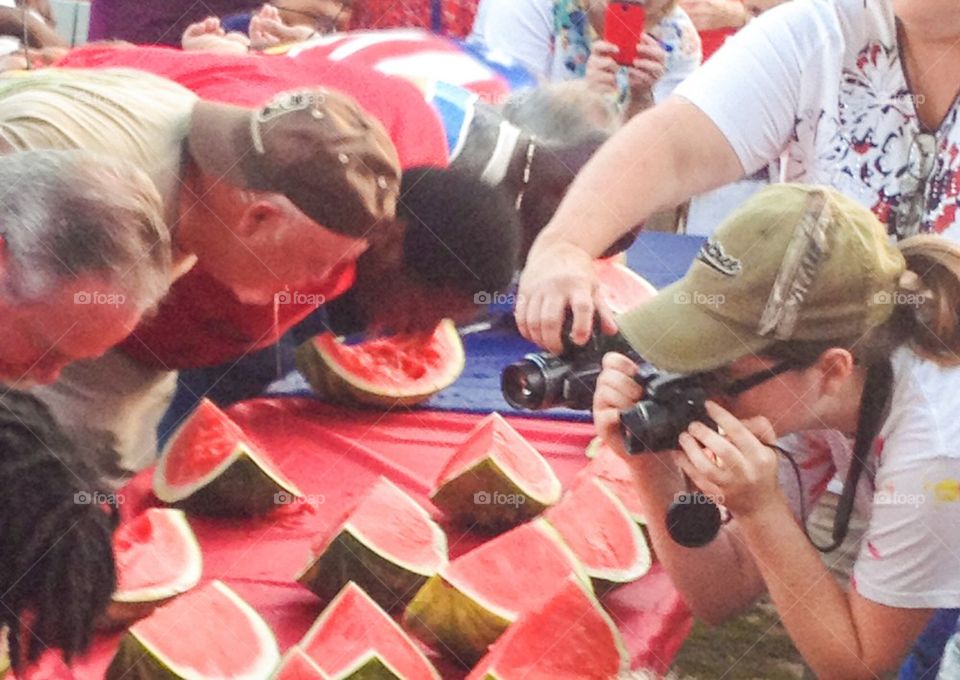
[
  {"x": 661, "y": 158},
  {"x": 335, "y": 162}
]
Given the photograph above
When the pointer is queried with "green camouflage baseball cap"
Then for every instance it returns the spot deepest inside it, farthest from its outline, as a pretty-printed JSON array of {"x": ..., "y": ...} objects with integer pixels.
[{"x": 795, "y": 262}]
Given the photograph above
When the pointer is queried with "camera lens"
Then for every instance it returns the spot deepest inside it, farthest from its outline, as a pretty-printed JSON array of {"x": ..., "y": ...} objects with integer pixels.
[
  {"x": 650, "y": 426},
  {"x": 534, "y": 383}
]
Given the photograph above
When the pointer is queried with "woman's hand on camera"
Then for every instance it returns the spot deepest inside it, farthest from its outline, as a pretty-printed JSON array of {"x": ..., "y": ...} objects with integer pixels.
[
  {"x": 616, "y": 391},
  {"x": 558, "y": 277},
  {"x": 739, "y": 468}
]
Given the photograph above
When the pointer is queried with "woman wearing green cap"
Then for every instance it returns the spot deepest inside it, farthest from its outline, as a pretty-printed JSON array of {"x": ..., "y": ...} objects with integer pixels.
[{"x": 801, "y": 299}]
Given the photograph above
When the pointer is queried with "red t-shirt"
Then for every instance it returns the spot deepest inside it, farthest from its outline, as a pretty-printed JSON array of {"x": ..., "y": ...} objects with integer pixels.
[{"x": 200, "y": 322}]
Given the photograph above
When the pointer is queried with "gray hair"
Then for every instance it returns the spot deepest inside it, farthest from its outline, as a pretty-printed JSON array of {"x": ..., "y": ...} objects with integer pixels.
[
  {"x": 65, "y": 214},
  {"x": 567, "y": 113}
]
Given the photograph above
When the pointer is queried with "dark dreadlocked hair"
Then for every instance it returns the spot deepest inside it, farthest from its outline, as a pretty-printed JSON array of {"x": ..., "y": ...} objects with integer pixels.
[{"x": 57, "y": 568}]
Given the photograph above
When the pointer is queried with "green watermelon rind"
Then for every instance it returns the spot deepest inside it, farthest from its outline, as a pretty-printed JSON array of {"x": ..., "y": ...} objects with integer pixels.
[
  {"x": 622, "y": 651},
  {"x": 363, "y": 662},
  {"x": 347, "y": 558},
  {"x": 456, "y": 497},
  {"x": 604, "y": 580},
  {"x": 351, "y": 556},
  {"x": 327, "y": 378},
  {"x": 137, "y": 660},
  {"x": 452, "y": 622},
  {"x": 447, "y": 615},
  {"x": 241, "y": 485}
]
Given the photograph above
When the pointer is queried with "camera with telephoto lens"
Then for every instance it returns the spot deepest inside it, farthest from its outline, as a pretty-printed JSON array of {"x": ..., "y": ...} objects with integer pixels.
[
  {"x": 670, "y": 403},
  {"x": 543, "y": 381}
]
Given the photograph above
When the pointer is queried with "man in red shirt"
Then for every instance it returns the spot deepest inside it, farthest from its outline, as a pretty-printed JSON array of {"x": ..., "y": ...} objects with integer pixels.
[{"x": 454, "y": 238}]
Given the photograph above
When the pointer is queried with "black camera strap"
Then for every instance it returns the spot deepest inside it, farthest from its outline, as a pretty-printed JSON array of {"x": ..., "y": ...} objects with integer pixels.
[{"x": 874, "y": 407}]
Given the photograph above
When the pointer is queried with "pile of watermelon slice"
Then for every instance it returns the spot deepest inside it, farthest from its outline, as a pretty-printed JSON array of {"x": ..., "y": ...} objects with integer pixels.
[{"x": 523, "y": 604}]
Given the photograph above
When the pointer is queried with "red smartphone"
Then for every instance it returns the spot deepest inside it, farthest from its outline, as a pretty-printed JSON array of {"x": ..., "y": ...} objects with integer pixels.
[{"x": 623, "y": 27}]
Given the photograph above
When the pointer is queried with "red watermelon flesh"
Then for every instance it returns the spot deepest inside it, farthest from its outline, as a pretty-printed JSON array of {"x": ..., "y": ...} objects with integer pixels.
[
  {"x": 207, "y": 634},
  {"x": 600, "y": 531},
  {"x": 211, "y": 436},
  {"x": 402, "y": 369},
  {"x": 621, "y": 288},
  {"x": 388, "y": 545},
  {"x": 569, "y": 637},
  {"x": 298, "y": 666},
  {"x": 616, "y": 474},
  {"x": 210, "y": 467},
  {"x": 511, "y": 571},
  {"x": 414, "y": 541},
  {"x": 158, "y": 557},
  {"x": 495, "y": 479},
  {"x": 354, "y": 636}
]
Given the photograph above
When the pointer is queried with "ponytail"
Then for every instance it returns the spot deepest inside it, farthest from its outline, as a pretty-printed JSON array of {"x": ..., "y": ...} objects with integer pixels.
[{"x": 929, "y": 299}]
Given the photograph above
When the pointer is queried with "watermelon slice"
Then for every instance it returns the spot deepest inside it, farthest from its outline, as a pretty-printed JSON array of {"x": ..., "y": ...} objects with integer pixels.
[
  {"x": 622, "y": 288},
  {"x": 471, "y": 602},
  {"x": 158, "y": 558},
  {"x": 388, "y": 545},
  {"x": 354, "y": 638},
  {"x": 569, "y": 637},
  {"x": 298, "y": 666},
  {"x": 384, "y": 372},
  {"x": 495, "y": 479},
  {"x": 600, "y": 531},
  {"x": 209, "y": 467},
  {"x": 616, "y": 474},
  {"x": 209, "y": 633}
]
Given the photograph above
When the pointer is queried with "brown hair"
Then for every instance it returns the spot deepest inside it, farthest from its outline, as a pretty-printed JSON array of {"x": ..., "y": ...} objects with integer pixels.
[{"x": 926, "y": 316}]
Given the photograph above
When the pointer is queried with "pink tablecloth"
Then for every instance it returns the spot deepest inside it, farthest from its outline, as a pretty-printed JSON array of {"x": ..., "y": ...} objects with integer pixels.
[{"x": 334, "y": 455}]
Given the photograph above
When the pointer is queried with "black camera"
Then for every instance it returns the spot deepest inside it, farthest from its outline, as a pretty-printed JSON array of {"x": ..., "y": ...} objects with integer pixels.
[
  {"x": 544, "y": 381},
  {"x": 670, "y": 403}
]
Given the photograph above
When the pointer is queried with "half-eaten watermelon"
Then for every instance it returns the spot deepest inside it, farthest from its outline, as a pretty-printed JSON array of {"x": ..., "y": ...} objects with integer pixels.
[
  {"x": 158, "y": 558},
  {"x": 600, "y": 531},
  {"x": 354, "y": 638},
  {"x": 210, "y": 467},
  {"x": 469, "y": 604},
  {"x": 297, "y": 665},
  {"x": 209, "y": 633},
  {"x": 384, "y": 372},
  {"x": 615, "y": 473},
  {"x": 388, "y": 545},
  {"x": 495, "y": 479},
  {"x": 569, "y": 637},
  {"x": 622, "y": 288}
]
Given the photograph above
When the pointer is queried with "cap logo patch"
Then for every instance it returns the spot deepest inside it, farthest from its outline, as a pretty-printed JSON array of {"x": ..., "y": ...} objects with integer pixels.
[{"x": 712, "y": 255}]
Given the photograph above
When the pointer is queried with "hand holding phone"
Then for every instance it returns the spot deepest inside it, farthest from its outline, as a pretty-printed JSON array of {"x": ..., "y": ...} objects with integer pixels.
[{"x": 623, "y": 27}]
